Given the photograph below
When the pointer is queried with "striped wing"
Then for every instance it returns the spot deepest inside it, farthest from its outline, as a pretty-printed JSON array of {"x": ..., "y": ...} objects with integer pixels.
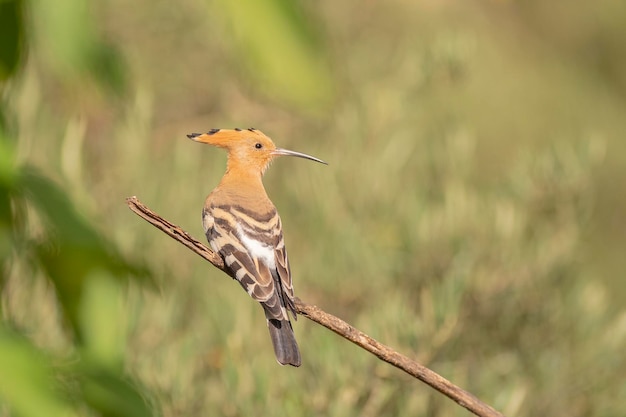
[{"x": 253, "y": 250}]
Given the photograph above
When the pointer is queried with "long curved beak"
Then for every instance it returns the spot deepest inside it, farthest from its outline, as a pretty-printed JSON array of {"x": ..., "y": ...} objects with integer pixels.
[{"x": 287, "y": 152}]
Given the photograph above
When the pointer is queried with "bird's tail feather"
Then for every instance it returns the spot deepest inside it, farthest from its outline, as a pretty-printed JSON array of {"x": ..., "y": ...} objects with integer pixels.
[{"x": 284, "y": 341}]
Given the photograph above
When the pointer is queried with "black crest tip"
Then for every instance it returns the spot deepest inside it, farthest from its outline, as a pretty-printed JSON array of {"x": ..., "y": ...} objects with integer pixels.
[
  {"x": 212, "y": 131},
  {"x": 193, "y": 135}
]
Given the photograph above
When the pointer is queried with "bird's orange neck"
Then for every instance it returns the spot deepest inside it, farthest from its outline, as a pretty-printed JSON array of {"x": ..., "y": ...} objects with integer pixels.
[{"x": 244, "y": 177}]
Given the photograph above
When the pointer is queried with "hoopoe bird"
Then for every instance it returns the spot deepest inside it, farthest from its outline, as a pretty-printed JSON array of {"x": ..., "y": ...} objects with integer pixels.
[{"x": 242, "y": 225}]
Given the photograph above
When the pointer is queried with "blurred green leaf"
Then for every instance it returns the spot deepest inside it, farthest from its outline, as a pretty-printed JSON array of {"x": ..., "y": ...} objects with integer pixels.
[
  {"x": 110, "y": 394},
  {"x": 108, "y": 66},
  {"x": 26, "y": 382},
  {"x": 72, "y": 249},
  {"x": 101, "y": 319},
  {"x": 67, "y": 31},
  {"x": 278, "y": 48},
  {"x": 11, "y": 36},
  {"x": 103, "y": 386},
  {"x": 27, "y": 385},
  {"x": 7, "y": 179}
]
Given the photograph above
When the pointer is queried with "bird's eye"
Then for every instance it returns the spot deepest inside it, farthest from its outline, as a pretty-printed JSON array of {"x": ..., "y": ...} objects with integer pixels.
[{"x": 258, "y": 146}]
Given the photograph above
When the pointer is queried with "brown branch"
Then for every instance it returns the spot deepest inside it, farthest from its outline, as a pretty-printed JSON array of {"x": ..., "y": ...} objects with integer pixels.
[{"x": 343, "y": 329}]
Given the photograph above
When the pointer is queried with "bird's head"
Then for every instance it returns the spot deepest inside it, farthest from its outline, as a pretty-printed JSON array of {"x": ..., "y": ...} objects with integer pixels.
[{"x": 249, "y": 148}]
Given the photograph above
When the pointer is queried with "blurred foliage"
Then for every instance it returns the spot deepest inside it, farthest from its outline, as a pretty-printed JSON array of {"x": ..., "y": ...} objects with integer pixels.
[
  {"x": 11, "y": 36},
  {"x": 74, "y": 250},
  {"x": 282, "y": 54},
  {"x": 472, "y": 216},
  {"x": 41, "y": 229},
  {"x": 64, "y": 31}
]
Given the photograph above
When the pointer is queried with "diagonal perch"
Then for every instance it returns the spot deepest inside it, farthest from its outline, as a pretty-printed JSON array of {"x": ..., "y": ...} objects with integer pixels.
[{"x": 343, "y": 329}]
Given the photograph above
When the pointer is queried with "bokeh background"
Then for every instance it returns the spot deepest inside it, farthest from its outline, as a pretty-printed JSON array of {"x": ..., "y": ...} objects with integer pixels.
[{"x": 472, "y": 215}]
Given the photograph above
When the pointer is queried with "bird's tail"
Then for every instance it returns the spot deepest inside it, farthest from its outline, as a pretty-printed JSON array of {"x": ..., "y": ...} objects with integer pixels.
[{"x": 284, "y": 341}]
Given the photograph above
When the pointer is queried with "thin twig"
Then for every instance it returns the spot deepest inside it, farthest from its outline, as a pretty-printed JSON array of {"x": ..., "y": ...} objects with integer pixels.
[{"x": 343, "y": 329}]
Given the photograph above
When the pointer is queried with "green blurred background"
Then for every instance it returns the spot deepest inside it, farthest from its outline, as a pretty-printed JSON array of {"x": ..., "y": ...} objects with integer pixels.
[{"x": 472, "y": 215}]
